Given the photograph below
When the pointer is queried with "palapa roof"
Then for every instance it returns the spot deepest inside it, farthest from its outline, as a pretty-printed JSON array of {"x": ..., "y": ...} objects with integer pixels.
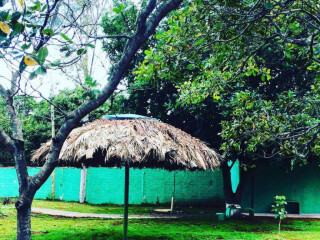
[{"x": 139, "y": 143}]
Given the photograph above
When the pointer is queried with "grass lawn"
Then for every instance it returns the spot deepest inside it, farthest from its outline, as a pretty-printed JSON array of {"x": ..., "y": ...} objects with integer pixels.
[
  {"x": 114, "y": 209},
  {"x": 46, "y": 227}
]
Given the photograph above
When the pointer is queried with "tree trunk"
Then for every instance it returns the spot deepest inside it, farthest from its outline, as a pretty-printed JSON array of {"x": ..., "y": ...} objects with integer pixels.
[
  {"x": 23, "y": 206},
  {"x": 230, "y": 196},
  {"x": 24, "y": 223}
]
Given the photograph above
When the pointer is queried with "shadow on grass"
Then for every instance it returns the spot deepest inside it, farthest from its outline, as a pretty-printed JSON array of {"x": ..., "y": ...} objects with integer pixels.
[{"x": 93, "y": 234}]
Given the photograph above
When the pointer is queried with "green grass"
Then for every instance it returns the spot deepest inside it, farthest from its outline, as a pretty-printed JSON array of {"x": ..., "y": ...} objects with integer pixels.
[{"x": 46, "y": 227}]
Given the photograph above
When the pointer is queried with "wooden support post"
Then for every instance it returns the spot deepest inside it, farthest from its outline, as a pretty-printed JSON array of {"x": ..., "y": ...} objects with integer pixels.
[
  {"x": 53, "y": 186},
  {"x": 53, "y": 134},
  {"x": 126, "y": 201},
  {"x": 174, "y": 191},
  {"x": 172, "y": 204},
  {"x": 83, "y": 181}
]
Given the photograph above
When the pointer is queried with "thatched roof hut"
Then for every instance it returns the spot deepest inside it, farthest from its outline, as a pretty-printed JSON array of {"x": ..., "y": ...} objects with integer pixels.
[
  {"x": 136, "y": 143},
  {"x": 132, "y": 143}
]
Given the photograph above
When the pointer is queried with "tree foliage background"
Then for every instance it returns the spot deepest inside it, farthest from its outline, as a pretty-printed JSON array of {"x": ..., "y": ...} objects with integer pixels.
[{"x": 258, "y": 62}]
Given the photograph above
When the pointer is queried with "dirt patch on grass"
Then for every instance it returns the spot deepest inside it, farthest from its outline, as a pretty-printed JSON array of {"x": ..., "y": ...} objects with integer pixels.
[
  {"x": 289, "y": 229},
  {"x": 246, "y": 230},
  {"x": 38, "y": 233},
  {"x": 117, "y": 223}
]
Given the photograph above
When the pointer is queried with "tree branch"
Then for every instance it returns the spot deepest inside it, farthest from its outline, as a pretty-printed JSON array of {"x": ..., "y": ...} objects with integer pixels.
[
  {"x": 109, "y": 36},
  {"x": 132, "y": 47},
  {"x": 6, "y": 141}
]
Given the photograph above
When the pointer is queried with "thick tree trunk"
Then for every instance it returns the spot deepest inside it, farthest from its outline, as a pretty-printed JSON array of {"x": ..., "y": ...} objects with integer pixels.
[
  {"x": 24, "y": 223},
  {"x": 23, "y": 206},
  {"x": 230, "y": 196},
  {"x": 26, "y": 193}
]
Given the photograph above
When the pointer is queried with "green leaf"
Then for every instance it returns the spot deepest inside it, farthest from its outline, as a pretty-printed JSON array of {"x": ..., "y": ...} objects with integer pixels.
[
  {"x": 121, "y": 7},
  {"x": 148, "y": 52},
  {"x": 81, "y": 51},
  {"x": 17, "y": 28},
  {"x": 250, "y": 105},
  {"x": 90, "y": 82},
  {"x": 42, "y": 54},
  {"x": 66, "y": 37},
  {"x": 15, "y": 16},
  {"x": 4, "y": 15},
  {"x": 268, "y": 6},
  {"x": 68, "y": 53},
  {"x": 55, "y": 63},
  {"x": 48, "y": 31},
  {"x": 36, "y": 7},
  {"x": 65, "y": 48},
  {"x": 25, "y": 46},
  {"x": 90, "y": 45},
  {"x": 190, "y": 66},
  {"x": 18, "y": 56},
  {"x": 32, "y": 75},
  {"x": 116, "y": 10},
  {"x": 22, "y": 65},
  {"x": 199, "y": 41},
  {"x": 41, "y": 71},
  {"x": 44, "y": 7}
]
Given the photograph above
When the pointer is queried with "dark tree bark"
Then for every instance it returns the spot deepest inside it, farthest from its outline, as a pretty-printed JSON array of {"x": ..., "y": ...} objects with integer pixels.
[
  {"x": 24, "y": 222},
  {"x": 147, "y": 23}
]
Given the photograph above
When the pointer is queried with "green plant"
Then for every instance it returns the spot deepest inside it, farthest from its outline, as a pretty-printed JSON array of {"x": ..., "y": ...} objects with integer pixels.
[
  {"x": 279, "y": 208},
  {"x": 7, "y": 201}
]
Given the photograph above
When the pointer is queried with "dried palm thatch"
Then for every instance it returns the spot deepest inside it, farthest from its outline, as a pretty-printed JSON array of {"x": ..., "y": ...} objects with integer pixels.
[{"x": 137, "y": 143}]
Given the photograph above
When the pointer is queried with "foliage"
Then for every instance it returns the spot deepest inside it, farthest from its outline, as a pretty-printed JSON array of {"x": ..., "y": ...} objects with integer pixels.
[
  {"x": 25, "y": 31},
  {"x": 279, "y": 208},
  {"x": 121, "y": 21},
  {"x": 157, "y": 98},
  {"x": 264, "y": 86},
  {"x": 35, "y": 29},
  {"x": 36, "y": 117},
  {"x": 7, "y": 201},
  {"x": 5, "y": 156}
]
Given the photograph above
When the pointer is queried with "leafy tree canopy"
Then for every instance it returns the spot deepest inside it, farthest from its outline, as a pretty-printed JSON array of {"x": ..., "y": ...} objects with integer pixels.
[
  {"x": 258, "y": 60},
  {"x": 36, "y": 117}
]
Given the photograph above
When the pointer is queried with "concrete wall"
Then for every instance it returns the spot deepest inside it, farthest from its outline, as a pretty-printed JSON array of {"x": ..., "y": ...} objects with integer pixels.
[
  {"x": 301, "y": 185},
  {"x": 106, "y": 185},
  {"x": 9, "y": 184}
]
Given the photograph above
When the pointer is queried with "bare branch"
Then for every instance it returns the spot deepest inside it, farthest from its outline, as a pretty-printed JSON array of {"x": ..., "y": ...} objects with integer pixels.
[{"x": 109, "y": 36}]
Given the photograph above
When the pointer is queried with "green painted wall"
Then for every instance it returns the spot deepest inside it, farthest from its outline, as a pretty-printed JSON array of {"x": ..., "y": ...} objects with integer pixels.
[
  {"x": 300, "y": 185},
  {"x": 153, "y": 186},
  {"x": 9, "y": 184},
  {"x": 106, "y": 185},
  {"x": 67, "y": 184}
]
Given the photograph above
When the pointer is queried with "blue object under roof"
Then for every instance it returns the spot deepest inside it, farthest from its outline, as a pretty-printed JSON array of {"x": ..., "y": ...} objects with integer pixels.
[{"x": 127, "y": 116}]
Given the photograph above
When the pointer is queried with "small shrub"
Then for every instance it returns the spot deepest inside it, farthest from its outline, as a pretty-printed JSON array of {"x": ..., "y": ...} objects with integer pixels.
[
  {"x": 7, "y": 201},
  {"x": 279, "y": 208}
]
